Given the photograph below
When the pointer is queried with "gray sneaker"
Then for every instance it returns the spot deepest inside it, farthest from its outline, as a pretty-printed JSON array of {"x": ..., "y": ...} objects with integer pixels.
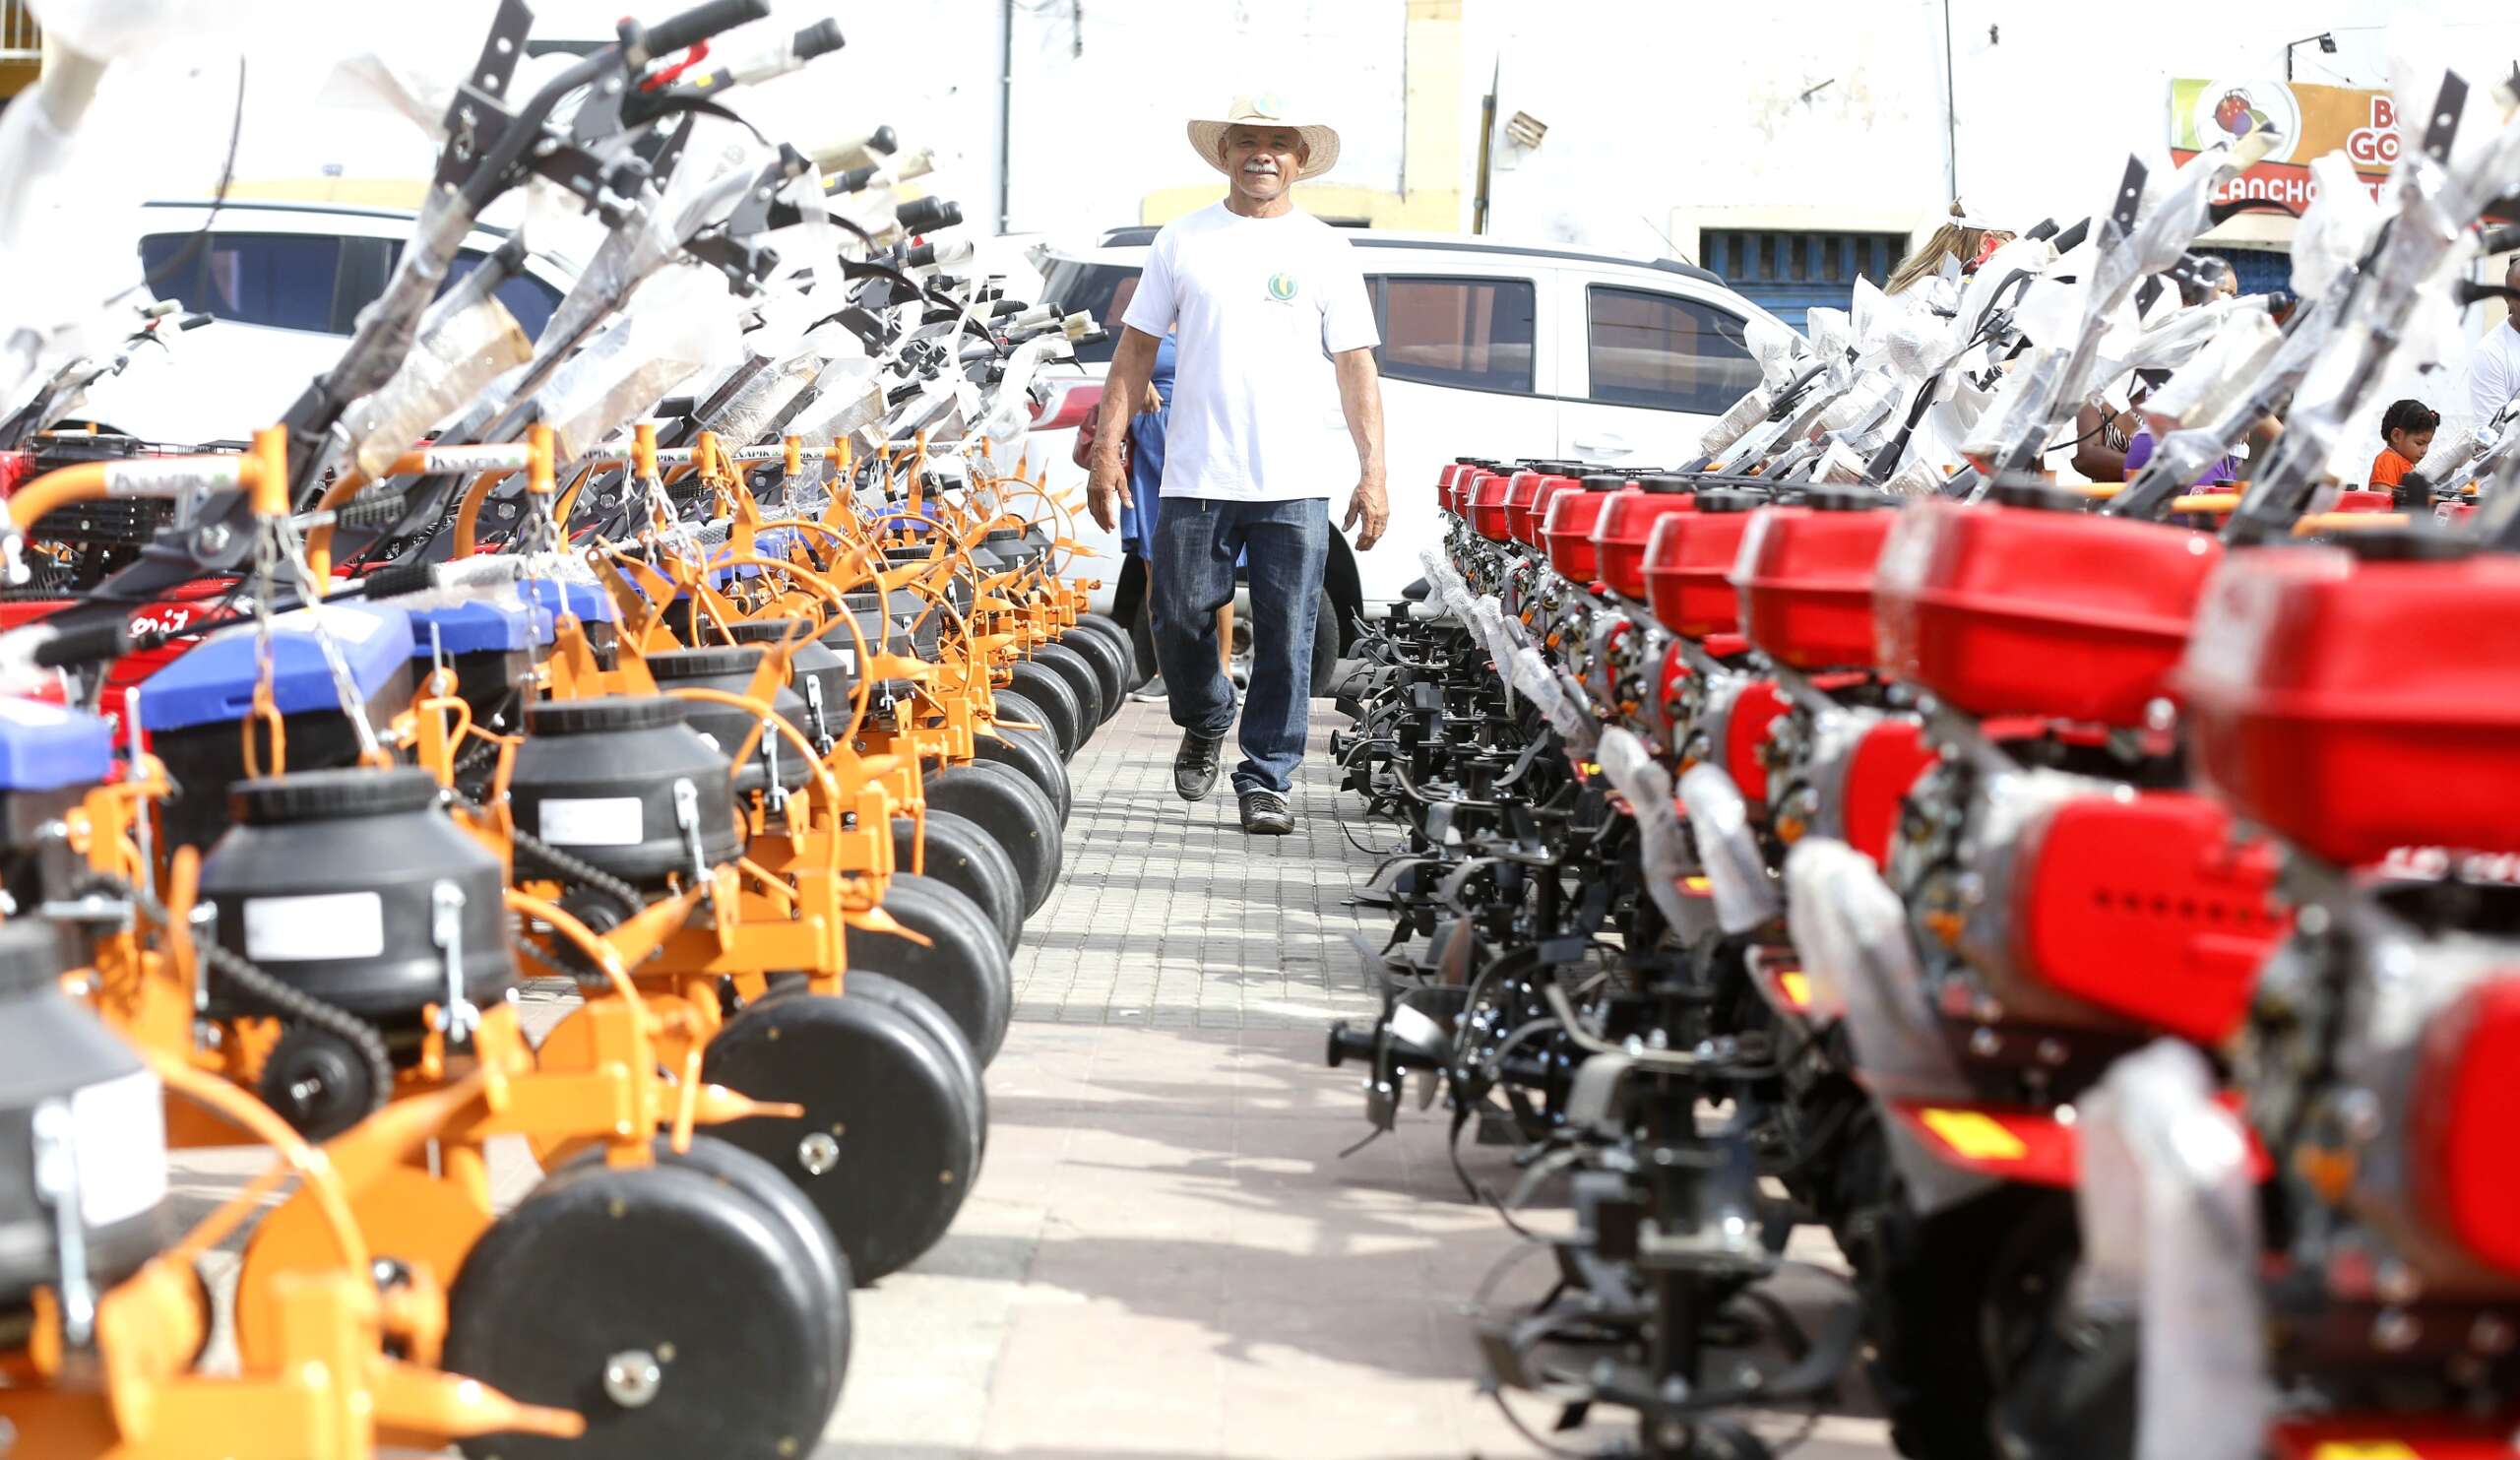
[
  {"x": 1265, "y": 813},
  {"x": 1151, "y": 691},
  {"x": 1194, "y": 766}
]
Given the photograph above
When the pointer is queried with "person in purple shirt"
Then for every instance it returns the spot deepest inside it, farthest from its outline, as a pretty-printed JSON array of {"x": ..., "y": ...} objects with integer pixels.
[{"x": 2139, "y": 450}]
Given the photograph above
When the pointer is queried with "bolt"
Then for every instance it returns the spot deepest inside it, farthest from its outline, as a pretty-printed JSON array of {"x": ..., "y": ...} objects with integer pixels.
[
  {"x": 817, "y": 1153},
  {"x": 632, "y": 1377},
  {"x": 2489, "y": 1334},
  {"x": 2052, "y": 1051},
  {"x": 1985, "y": 1043},
  {"x": 2395, "y": 1331},
  {"x": 2396, "y": 1284}
]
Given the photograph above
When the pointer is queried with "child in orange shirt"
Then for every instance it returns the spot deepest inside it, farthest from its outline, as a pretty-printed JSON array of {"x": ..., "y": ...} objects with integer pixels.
[{"x": 2408, "y": 430}]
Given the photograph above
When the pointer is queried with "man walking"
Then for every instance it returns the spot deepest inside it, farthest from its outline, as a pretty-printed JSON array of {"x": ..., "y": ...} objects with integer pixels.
[{"x": 1273, "y": 319}]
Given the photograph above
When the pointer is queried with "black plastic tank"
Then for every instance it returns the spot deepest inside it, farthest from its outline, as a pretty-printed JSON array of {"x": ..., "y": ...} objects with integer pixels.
[
  {"x": 338, "y": 882},
  {"x": 729, "y": 669},
  {"x": 600, "y": 779},
  {"x": 816, "y": 670},
  {"x": 70, "y": 1087}
]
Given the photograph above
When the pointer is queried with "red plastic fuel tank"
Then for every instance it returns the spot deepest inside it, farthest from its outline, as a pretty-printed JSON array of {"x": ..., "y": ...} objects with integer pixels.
[
  {"x": 1695, "y": 562},
  {"x": 1568, "y": 531},
  {"x": 1803, "y": 577},
  {"x": 2361, "y": 697},
  {"x": 2024, "y": 611},
  {"x": 1626, "y": 526},
  {"x": 1523, "y": 522},
  {"x": 1487, "y": 505}
]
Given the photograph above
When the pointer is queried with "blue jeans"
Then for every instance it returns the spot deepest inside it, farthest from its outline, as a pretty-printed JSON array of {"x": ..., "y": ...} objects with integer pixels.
[{"x": 1287, "y": 544}]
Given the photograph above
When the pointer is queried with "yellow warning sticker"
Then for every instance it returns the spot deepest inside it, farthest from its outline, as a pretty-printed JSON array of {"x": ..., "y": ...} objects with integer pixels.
[
  {"x": 1797, "y": 989},
  {"x": 2363, "y": 1449},
  {"x": 1973, "y": 1135}
]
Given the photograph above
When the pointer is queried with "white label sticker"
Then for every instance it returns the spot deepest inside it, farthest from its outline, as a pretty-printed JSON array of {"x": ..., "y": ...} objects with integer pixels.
[
  {"x": 848, "y": 658},
  {"x": 329, "y": 924},
  {"x": 593, "y": 821},
  {"x": 121, "y": 1138}
]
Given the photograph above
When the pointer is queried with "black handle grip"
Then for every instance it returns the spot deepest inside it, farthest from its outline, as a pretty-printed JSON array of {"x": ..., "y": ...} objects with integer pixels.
[
  {"x": 883, "y": 140},
  {"x": 2045, "y": 228},
  {"x": 1004, "y": 308},
  {"x": 2499, "y": 240},
  {"x": 699, "y": 21},
  {"x": 927, "y": 214},
  {"x": 395, "y": 581},
  {"x": 920, "y": 256},
  {"x": 2072, "y": 238},
  {"x": 818, "y": 39},
  {"x": 86, "y": 645},
  {"x": 854, "y": 180}
]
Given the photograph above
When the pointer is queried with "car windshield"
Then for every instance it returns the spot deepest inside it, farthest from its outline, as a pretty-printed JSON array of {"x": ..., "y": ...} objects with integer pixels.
[{"x": 1103, "y": 291}]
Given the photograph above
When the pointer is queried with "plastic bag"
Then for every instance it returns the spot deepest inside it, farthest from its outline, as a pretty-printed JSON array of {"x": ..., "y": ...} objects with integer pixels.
[
  {"x": 2216, "y": 377},
  {"x": 1663, "y": 852},
  {"x": 2168, "y": 1214},
  {"x": 463, "y": 345},
  {"x": 678, "y": 322},
  {"x": 1736, "y": 873}
]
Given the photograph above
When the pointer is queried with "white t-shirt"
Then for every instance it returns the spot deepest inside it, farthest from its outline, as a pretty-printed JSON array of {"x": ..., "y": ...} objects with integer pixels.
[
  {"x": 1262, "y": 303},
  {"x": 2493, "y": 373}
]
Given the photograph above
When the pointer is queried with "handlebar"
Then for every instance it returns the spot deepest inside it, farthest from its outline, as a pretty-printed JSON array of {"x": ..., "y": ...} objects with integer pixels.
[{"x": 641, "y": 45}]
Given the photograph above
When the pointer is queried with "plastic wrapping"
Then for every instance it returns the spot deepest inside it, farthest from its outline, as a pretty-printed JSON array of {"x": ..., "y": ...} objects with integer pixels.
[
  {"x": 741, "y": 420},
  {"x": 1559, "y": 705},
  {"x": 2020, "y": 409},
  {"x": 1775, "y": 350},
  {"x": 459, "y": 351},
  {"x": 2168, "y": 1214},
  {"x": 1743, "y": 413},
  {"x": 1663, "y": 852},
  {"x": 1850, "y": 931},
  {"x": 2335, "y": 229},
  {"x": 1736, "y": 873},
  {"x": 680, "y": 321},
  {"x": 2216, "y": 378}
]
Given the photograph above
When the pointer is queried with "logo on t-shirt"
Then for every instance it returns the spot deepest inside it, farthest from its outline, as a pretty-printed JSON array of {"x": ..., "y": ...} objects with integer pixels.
[{"x": 1282, "y": 285}]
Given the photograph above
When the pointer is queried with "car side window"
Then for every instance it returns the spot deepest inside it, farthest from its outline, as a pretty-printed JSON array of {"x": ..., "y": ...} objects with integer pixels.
[
  {"x": 282, "y": 280},
  {"x": 1664, "y": 352},
  {"x": 1473, "y": 332}
]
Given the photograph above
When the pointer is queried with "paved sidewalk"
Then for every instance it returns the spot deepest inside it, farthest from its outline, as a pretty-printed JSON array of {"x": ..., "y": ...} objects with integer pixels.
[{"x": 1166, "y": 1255}]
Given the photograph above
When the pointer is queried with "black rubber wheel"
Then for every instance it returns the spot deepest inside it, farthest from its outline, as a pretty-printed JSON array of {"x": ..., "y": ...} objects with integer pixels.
[
  {"x": 661, "y": 1303},
  {"x": 317, "y": 1082},
  {"x": 886, "y": 1149},
  {"x": 809, "y": 1241},
  {"x": 1111, "y": 663},
  {"x": 1082, "y": 677},
  {"x": 1325, "y": 646},
  {"x": 962, "y": 968},
  {"x": 968, "y": 859},
  {"x": 1119, "y": 633},
  {"x": 1048, "y": 691},
  {"x": 1007, "y": 806},
  {"x": 938, "y": 1026},
  {"x": 1037, "y": 753},
  {"x": 1015, "y": 776}
]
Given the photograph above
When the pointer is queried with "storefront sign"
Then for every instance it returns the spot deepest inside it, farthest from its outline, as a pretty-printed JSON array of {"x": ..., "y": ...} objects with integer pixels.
[{"x": 2306, "y": 121}]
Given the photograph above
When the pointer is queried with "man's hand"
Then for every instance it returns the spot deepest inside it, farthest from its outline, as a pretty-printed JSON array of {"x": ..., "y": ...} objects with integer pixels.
[
  {"x": 1109, "y": 491},
  {"x": 1370, "y": 508}
]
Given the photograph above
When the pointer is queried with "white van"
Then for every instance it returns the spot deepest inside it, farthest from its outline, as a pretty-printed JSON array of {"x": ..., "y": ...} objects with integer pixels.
[{"x": 1489, "y": 348}]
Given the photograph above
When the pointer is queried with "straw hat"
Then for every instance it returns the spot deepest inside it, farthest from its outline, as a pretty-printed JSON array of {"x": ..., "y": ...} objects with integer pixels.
[{"x": 1265, "y": 111}]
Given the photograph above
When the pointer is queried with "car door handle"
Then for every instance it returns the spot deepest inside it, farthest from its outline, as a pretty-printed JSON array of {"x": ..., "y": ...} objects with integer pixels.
[{"x": 1607, "y": 445}]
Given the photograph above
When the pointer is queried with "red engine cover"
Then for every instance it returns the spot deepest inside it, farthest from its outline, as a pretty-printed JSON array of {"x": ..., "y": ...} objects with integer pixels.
[
  {"x": 2466, "y": 1123},
  {"x": 2353, "y": 706},
  {"x": 2017, "y": 611},
  {"x": 1520, "y": 489},
  {"x": 1887, "y": 761},
  {"x": 1567, "y": 532},
  {"x": 1445, "y": 481},
  {"x": 1699, "y": 598},
  {"x": 2145, "y": 907},
  {"x": 1487, "y": 505},
  {"x": 1626, "y": 526},
  {"x": 1525, "y": 521},
  {"x": 1804, "y": 578}
]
